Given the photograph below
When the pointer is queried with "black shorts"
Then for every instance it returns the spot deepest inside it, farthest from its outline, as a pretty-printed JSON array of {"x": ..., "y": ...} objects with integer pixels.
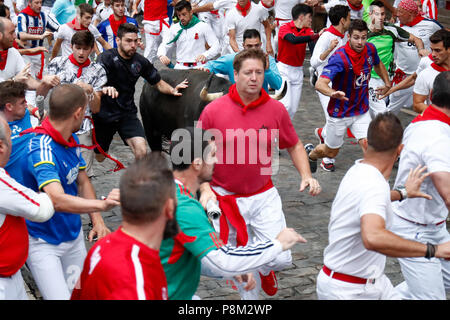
[{"x": 128, "y": 126}]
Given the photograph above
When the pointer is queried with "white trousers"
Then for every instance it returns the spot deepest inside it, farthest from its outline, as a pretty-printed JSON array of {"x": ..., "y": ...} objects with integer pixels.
[
  {"x": 376, "y": 105},
  {"x": 294, "y": 78},
  {"x": 154, "y": 33},
  {"x": 56, "y": 268},
  {"x": 337, "y": 127},
  {"x": 424, "y": 279},
  {"x": 265, "y": 219},
  {"x": 12, "y": 288},
  {"x": 37, "y": 65},
  {"x": 401, "y": 99},
  {"x": 334, "y": 289},
  {"x": 324, "y": 100},
  {"x": 88, "y": 155}
]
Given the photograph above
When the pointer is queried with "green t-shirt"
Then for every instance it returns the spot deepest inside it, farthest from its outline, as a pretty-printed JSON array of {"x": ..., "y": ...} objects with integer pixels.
[
  {"x": 90, "y": 2},
  {"x": 384, "y": 41},
  {"x": 366, "y": 4},
  {"x": 181, "y": 255}
]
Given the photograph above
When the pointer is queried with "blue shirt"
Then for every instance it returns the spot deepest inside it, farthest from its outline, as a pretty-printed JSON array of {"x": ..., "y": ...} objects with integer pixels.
[
  {"x": 64, "y": 11},
  {"x": 356, "y": 87},
  {"x": 18, "y": 158},
  {"x": 224, "y": 65},
  {"x": 104, "y": 28},
  {"x": 50, "y": 162}
]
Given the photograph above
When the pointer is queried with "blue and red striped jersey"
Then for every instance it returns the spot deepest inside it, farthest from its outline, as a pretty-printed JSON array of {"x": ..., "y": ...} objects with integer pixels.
[{"x": 356, "y": 87}]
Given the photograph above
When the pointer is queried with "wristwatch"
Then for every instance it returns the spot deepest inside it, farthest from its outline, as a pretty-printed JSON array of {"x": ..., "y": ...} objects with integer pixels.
[{"x": 402, "y": 191}]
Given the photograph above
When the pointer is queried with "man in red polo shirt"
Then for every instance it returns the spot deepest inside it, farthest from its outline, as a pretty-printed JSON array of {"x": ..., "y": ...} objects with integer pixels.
[
  {"x": 292, "y": 39},
  {"x": 249, "y": 125}
]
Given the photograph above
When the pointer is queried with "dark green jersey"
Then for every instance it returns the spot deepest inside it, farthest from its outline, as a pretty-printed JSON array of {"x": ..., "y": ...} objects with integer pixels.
[
  {"x": 181, "y": 255},
  {"x": 384, "y": 41}
]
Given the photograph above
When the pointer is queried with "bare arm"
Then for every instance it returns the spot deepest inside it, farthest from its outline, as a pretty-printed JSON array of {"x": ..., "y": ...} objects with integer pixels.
[
  {"x": 105, "y": 45},
  {"x": 404, "y": 84},
  {"x": 301, "y": 163},
  {"x": 56, "y": 48},
  {"x": 323, "y": 87},
  {"x": 419, "y": 102},
  {"x": 205, "y": 8},
  {"x": 68, "y": 203},
  {"x": 268, "y": 32},
  {"x": 419, "y": 45},
  {"x": 26, "y": 36},
  {"x": 166, "y": 88},
  {"x": 86, "y": 191},
  {"x": 441, "y": 181},
  {"x": 233, "y": 42}
]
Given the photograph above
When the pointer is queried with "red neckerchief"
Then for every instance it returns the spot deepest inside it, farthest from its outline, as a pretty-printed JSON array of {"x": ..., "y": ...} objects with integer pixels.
[
  {"x": 231, "y": 215},
  {"x": 353, "y": 7},
  {"x": 438, "y": 68},
  {"x": 4, "y": 58},
  {"x": 244, "y": 10},
  {"x": 234, "y": 95},
  {"x": 415, "y": 21},
  {"x": 47, "y": 128},
  {"x": 115, "y": 24},
  {"x": 335, "y": 31},
  {"x": 432, "y": 113},
  {"x": 76, "y": 25},
  {"x": 80, "y": 66},
  {"x": 30, "y": 12},
  {"x": 356, "y": 58}
]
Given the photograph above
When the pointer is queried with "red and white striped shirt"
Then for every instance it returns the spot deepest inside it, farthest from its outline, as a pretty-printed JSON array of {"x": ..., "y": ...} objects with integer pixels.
[{"x": 119, "y": 267}]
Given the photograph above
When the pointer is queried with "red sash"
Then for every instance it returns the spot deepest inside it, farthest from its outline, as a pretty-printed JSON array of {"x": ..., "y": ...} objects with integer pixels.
[
  {"x": 438, "y": 68},
  {"x": 231, "y": 214},
  {"x": 354, "y": 7},
  {"x": 115, "y": 24},
  {"x": 80, "y": 66},
  {"x": 432, "y": 113},
  {"x": 4, "y": 58},
  {"x": 30, "y": 12},
  {"x": 47, "y": 128},
  {"x": 335, "y": 31},
  {"x": 234, "y": 95},
  {"x": 75, "y": 25},
  {"x": 244, "y": 10},
  {"x": 357, "y": 58},
  {"x": 415, "y": 21}
]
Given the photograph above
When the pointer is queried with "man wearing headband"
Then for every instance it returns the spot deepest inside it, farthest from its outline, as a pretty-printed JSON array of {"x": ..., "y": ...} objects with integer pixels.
[{"x": 407, "y": 55}]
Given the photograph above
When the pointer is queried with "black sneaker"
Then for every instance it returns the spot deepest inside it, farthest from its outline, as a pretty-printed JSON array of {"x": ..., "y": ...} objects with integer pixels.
[
  {"x": 312, "y": 163},
  {"x": 327, "y": 166}
]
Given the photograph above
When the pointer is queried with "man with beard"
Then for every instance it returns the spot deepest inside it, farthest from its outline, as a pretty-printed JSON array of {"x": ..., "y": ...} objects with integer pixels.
[
  {"x": 349, "y": 71},
  {"x": 125, "y": 265},
  {"x": 123, "y": 67},
  {"x": 197, "y": 248}
]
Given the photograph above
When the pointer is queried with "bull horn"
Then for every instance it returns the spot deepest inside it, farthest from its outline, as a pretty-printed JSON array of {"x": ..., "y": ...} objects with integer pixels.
[
  {"x": 279, "y": 96},
  {"x": 208, "y": 97}
]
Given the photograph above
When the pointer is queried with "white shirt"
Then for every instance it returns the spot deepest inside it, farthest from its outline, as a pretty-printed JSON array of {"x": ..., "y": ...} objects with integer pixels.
[
  {"x": 283, "y": 8},
  {"x": 354, "y": 14},
  {"x": 406, "y": 56},
  {"x": 224, "y": 4},
  {"x": 322, "y": 44},
  {"x": 191, "y": 42},
  {"x": 65, "y": 32},
  {"x": 363, "y": 190},
  {"x": 253, "y": 20},
  {"x": 424, "y": 63},
  {"x": 14, "y": 64},
  {"x": 426, "y": 143},
  {"x": 424, "y": 82}
]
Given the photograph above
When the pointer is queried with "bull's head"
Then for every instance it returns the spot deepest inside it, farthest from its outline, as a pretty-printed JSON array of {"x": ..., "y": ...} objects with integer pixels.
[{"x": 208, "y": 97}]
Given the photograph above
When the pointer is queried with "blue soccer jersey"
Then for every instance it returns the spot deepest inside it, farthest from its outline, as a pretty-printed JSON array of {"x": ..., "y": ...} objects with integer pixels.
[
  {"x": 50, "y": 162},
  {"x": 356, "y": 87},
  {"x": 18, "y": 159},
  {"x": 107, "y": 33}
]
